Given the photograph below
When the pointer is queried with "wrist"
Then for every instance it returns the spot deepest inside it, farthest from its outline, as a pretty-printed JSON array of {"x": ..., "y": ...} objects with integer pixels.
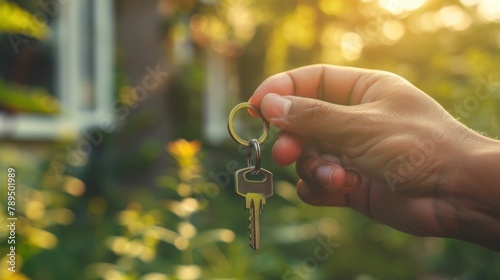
[{"x": 476, "y": 197}]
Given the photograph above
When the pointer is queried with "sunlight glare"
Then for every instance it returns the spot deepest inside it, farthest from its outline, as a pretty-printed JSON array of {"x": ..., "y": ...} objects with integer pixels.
[
  {"x": 329, "y": 36},
  {"x": 299, "y": 29},
  {"x": 351, "y": 45},
  {"x": 430, "y": 22},
  {"x": 453, "y": 17},
  {"x": 489, "y": 10},
  {"x": 396, "y": 7},
  {"x": 242, "y": 20},
  {"x": 331, "y": 8},
  {"x": 393, "y": 30},
  {"x": 469, "y": 3}
]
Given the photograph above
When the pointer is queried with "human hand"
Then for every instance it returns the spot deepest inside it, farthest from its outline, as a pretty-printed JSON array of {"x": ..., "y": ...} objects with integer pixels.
[{"x": 372, "y": 141}]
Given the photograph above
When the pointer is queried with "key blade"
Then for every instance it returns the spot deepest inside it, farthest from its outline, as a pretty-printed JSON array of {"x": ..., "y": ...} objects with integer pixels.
[
  {"x": 254, "y": 204},
  {"x": 254, "y": 244}
]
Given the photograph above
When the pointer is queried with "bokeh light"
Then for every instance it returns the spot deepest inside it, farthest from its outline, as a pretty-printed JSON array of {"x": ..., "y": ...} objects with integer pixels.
[
  {"x": 328, "y": 226},
  {"x": 227, "y": 236},
  {"x": 299, "y": 29},
  {"x": 181, "y": 243},
  {"x": 74, "y": 186},
  {"x": 489, "y": 10},
  {"x": 154, "y": 276},
  {"x": 393, "y": 30},
  {"x": 307, "y": 231},
  {"x": 186, "y": 230},
  {"x": 64, "y": 216},
  {"x": 41, "y": 238},
  {"x": 131, "y": 209},
  {"x": 454, "y": 17},
  {"x": 400, "y": 6},
  {"x": 188, "y": 272},
  {"x": 469, "y": 3},
  {"x": 351, "y": 45},
  {"x": 35, "y": 209},
  {"x": 331, "y": 8}
]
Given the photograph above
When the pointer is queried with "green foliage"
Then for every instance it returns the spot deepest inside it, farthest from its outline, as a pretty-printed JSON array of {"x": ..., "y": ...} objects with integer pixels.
[
  {"x": 20, "y": 98},
  {"x": 15, "y": 20},
  {"x": 190, "y": 227},
  {"x": 446, "y": 48},
  {"x": 41, "y": 205}
]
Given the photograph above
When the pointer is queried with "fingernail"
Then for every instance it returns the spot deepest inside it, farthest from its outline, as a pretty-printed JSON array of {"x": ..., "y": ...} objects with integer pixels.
[
  {"x": 352, "y": 181},
  {"x": 277, "y": 106},
  {"x": 324, "y": 176}
]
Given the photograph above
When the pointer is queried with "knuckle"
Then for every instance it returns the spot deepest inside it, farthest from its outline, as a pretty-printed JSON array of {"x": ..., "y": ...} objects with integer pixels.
[
  {"x": 309, "y": 114},
  {"x": 315, "y": 110}
]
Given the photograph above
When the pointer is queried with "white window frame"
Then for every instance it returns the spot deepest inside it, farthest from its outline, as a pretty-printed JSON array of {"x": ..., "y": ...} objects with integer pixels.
[{"x": 71, "y": 64}]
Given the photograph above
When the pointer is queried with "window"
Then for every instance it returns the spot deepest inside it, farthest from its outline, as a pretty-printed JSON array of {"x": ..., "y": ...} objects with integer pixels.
[{"x": 56, "y": 67}]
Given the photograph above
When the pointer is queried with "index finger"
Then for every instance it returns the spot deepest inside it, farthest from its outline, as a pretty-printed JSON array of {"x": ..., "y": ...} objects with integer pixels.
[{"x": 335, "y": 84}]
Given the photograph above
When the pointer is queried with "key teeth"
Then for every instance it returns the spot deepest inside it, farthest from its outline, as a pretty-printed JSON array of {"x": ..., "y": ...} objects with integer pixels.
[
  {"x": 250, "y": 229},
  {"x": 250, "y": 226},
  {"x": 251, "y": 241},
  {"x": 250, "y": 220},
  {"x": 251, "y": 211}
]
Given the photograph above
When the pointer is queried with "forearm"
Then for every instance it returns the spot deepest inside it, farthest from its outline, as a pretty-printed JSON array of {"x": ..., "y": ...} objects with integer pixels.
[{"x": 477, "y": 203}]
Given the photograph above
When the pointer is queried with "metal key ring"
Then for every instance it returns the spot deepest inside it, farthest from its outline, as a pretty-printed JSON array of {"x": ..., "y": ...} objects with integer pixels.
[
  {"x": 253, "y": 143},
  {"x": 230, "y": 124}
]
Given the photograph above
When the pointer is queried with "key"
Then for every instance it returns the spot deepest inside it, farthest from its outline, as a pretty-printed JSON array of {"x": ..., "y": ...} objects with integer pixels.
[{"x": 255, "y": 193}]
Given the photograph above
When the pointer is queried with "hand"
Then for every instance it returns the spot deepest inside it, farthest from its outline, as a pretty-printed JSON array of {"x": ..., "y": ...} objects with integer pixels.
[{"x": 372, "y": 141}]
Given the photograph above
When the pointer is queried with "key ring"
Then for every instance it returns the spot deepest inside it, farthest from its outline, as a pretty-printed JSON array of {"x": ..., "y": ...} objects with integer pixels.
[
  {"x": 255, "y": 145},
  {"x": 230, "y": 124}
]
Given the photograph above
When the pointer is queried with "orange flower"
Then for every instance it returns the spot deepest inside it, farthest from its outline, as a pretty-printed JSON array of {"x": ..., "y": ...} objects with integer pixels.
[{"x": 183, "y": 148}]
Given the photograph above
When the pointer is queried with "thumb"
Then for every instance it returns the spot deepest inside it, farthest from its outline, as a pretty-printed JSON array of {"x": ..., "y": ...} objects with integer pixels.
[{"x": 313, "y": 118}]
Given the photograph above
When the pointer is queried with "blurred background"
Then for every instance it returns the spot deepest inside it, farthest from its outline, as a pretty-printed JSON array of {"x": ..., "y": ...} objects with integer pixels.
[{"x": 114, "y": 113}]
